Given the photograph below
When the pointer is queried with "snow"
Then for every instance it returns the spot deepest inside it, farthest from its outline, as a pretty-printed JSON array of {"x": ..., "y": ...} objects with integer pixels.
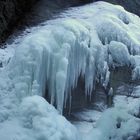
[
  {"x": 39, "y": 116},
  {"x": 37, "y": 120},
  {"x": 85, "y": 41},
  {"x": 116, "y": 123},
  {"x": 116, "y": 48}
]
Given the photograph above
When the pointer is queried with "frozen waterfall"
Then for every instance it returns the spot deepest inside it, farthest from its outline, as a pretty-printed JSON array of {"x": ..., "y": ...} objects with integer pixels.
[
  {"x": 85, "y": 41},
  {"x": 57, "y": 54}
]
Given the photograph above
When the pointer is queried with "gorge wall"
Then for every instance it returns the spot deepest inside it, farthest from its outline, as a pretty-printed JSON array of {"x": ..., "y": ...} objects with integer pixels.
[
  {"x": 13, "y": 10},
  {"x": 10, "y": 12}
]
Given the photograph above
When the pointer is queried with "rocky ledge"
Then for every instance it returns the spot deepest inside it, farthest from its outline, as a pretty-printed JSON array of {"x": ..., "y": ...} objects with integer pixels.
[{"x": 13, "y": 10}]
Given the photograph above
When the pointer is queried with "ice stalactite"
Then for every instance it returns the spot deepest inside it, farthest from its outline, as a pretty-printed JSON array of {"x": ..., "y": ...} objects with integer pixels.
[{"x": 56, "y": 54}]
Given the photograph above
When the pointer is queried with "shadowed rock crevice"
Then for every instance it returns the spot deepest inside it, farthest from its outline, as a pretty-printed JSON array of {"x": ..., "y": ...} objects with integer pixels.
[
  {"x": 10, "y": 12},
  {"x": 120, "y": 81}
]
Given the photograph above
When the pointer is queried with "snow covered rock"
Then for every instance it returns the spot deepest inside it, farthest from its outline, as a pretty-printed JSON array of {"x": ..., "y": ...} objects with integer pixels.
[
  {"x": 45, "y": 122},
  {"x": 119, "y": 53}
]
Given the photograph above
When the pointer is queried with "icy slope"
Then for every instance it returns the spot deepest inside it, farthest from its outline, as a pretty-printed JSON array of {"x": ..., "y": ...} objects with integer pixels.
[
  {"x": 85, "y": 42},
  {"x": 35, "y": 119}
]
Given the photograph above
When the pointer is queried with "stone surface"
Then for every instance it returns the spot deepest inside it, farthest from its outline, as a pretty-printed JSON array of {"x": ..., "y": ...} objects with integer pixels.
[
  {"x": 10, "y": 12},
  {"x": 13, "y": 10}
]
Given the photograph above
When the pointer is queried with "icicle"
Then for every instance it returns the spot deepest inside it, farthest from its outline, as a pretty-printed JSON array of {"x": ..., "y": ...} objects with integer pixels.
[
  {"x": 35, "y": 88},
  {"x": 56, "y": 55},
  {"x": 110, "y": 93}
]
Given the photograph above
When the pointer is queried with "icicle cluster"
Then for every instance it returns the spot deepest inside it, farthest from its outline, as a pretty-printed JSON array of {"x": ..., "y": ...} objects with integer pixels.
[{"x": 53, "y": 56}]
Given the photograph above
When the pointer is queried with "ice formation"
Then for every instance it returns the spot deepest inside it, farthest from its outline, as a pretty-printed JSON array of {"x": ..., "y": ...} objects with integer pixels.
[
  {"x": 84, "y": 41},
  {"x": 55, "y": 55}
]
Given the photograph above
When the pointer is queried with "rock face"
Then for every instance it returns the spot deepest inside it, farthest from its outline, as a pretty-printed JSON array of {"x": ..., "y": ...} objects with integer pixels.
[
  {"x": 10, "y": 12},
  {"x": 13, "y": 10},
  {"x": 49, "y": 9},
  {"x": 130, "y": 5}
]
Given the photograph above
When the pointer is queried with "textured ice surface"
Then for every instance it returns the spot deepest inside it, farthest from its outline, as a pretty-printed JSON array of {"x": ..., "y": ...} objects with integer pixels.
[
  {"x": 84, "y": 41},
  {"x": 35, "y": 119},
  {"x": 78, "y": 44}
]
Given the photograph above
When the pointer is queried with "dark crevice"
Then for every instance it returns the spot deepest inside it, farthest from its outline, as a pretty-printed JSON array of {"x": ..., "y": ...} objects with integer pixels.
[
  {"x": 120, "y": 77},
  {"x": 120, "y": 81}
]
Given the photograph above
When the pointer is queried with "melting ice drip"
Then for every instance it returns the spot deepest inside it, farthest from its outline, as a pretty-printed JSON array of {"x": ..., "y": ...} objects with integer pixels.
[{"x": 82, "y": 44}]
